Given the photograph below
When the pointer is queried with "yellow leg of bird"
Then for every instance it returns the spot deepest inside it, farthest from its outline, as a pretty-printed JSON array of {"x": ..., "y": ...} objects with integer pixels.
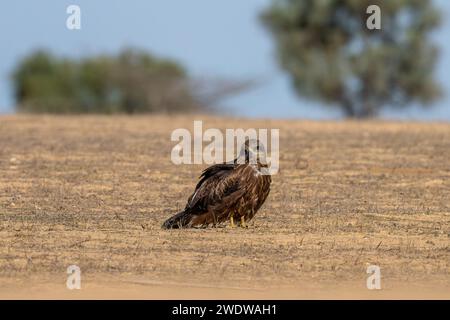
[
  {"x": 232, "y": 222},
  {"x": 243, "y": 224}
]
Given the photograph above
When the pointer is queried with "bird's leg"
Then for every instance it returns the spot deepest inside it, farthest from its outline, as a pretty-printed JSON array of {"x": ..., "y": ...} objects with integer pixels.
[
  {"x": 232, "y": 221},
  {"x": 243, "y": 224}
]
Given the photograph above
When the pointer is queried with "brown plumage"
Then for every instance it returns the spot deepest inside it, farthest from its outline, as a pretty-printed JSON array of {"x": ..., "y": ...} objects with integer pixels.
[{"x": 227, "y": 192}]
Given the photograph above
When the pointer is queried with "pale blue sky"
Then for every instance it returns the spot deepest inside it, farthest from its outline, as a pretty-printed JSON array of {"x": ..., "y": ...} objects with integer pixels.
[{"x": 209, "y": 37}]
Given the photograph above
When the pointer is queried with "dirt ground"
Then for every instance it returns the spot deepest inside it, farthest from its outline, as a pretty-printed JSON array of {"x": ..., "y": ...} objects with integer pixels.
[{"x": 93, "y": 191}]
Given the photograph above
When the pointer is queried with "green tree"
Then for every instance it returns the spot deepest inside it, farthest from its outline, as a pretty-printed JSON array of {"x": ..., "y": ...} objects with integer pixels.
[
  {"x": 333, "y": 57},
  {"x": 131, "y": 82}
]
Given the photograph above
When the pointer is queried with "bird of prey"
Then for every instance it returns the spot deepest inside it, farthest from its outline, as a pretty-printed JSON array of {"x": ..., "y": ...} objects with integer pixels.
[{"x": 232, "y": 191}]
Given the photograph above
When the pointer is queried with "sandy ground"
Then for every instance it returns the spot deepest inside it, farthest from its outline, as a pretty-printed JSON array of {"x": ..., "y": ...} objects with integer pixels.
[{"x": 93, "y": 191}]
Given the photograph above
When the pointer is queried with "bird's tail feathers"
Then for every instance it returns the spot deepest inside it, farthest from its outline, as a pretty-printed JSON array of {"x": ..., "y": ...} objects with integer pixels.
[{"x": 181, "y": 220}]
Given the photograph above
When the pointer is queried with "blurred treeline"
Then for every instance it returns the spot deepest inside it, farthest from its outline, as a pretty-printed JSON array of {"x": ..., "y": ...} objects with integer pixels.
[
  {"x": 133, "y": 81},
  {"x": 326, "y": 48}
]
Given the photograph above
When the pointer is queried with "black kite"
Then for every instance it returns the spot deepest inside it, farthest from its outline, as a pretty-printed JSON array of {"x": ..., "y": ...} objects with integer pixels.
[{"x": 227, "y": 192}]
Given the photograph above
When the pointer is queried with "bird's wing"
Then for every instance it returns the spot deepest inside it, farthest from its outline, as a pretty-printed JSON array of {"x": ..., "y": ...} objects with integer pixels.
[
  {"x": 214, "y": 170},
  {"x": 218, "y": 184}
]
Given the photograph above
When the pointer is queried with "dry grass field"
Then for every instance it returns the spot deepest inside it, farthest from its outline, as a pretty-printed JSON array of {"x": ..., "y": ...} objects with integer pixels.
[{"x": 93, "y": 191}]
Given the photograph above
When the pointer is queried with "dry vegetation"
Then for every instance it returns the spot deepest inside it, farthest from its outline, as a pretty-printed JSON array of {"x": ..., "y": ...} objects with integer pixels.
[{"x": 93, "y": 191}]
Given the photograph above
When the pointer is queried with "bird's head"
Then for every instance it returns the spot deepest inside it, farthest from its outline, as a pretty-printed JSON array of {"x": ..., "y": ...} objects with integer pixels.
[{"x": 253, "y": 152}]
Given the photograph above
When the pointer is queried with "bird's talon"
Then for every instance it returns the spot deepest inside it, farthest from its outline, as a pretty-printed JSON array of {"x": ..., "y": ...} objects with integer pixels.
[{"x": 232, "y": 225}]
